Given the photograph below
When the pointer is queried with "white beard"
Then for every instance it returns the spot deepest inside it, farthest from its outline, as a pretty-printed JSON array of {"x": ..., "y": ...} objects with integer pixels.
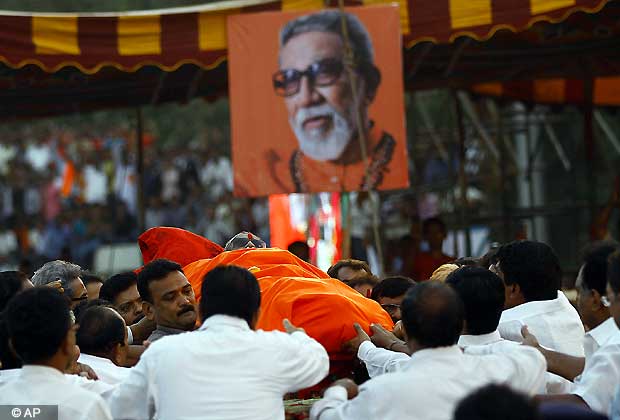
[{"x": 317, "y": 143}]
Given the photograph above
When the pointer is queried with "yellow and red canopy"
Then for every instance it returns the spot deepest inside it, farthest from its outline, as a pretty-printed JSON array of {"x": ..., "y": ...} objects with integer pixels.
[
  {"x": 173, "y": 37},
  {"x": 59, "y": 63}
]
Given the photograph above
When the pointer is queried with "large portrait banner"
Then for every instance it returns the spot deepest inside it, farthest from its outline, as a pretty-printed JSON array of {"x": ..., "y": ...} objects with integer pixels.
[{"x": 294, "y": 117}]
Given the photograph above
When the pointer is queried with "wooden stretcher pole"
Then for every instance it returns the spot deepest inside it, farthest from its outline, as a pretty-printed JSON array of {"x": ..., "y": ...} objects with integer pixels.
[{"x": 349, "y": 61}]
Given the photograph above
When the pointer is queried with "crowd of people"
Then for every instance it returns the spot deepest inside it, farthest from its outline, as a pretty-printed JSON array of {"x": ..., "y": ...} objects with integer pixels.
[
  {"x": 62, "y": 198},
  {"x": 483, "y": 338}
]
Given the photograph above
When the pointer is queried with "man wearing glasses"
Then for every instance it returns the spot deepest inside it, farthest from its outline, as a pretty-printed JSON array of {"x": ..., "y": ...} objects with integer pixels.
[
  {"x": 65, "y": 277},
  {"x": 313, "y": 81}
]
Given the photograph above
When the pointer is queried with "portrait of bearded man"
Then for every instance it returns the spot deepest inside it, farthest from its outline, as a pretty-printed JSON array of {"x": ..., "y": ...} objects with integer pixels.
[{"x": 322, "y": 112}]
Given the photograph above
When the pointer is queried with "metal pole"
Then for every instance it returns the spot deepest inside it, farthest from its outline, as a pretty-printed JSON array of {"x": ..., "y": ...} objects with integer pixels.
[
  {"x": 361, "y": 130},
  {"x": 464, "y": 207},
  {"x": 140, "y": 170},
  {"x": 503, "y": 162},
  {"x": 529, "y": 172},
  {"x": 590, "y": 142}
]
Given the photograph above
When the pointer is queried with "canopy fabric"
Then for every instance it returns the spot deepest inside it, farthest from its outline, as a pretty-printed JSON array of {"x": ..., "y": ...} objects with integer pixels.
[
  {"x": 171, "y": 38},
  {"x": 606, "y": 91}
]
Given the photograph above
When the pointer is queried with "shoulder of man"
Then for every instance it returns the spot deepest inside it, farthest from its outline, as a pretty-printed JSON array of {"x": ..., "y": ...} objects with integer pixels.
[{"x": 279, "y": 339}]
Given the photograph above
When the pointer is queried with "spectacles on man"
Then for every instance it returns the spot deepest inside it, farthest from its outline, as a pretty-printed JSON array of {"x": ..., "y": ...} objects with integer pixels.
[
  {"x": 322, "y": 73},
  {"x": 79, "y": 299}
]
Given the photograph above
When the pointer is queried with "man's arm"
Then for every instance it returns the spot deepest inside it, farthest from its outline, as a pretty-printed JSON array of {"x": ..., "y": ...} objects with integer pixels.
[
  {"x": 131, "y": 399},
  {"x": 133, "y": 355},
  {"x": 567, "y": 398},
  {"x": 302, "y": 360},
  {"x": 141, "y": 330},
  {"x": 341, "y": 402},
  {"x": 387, "y": 340},
  {"x": 564, "y": 365},
  {"x": 379, "y": 361},
  {"x": 561, "y": 364}
]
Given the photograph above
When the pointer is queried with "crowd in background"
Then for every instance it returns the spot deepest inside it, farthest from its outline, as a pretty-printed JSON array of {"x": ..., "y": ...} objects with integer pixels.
[{"x": 64, "y": 193}]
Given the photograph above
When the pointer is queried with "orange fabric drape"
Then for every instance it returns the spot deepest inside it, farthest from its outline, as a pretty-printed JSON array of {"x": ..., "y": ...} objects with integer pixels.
[{"x": 291, "y": 288}]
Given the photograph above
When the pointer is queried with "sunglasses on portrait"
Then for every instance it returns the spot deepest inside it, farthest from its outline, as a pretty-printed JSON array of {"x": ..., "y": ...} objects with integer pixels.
[{"x": 322, "y": 73}]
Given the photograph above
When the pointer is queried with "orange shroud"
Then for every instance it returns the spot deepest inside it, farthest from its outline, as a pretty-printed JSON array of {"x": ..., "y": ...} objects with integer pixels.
[
  {"x": 178, "y": 245},
  {"x": 291, "y": 288}
]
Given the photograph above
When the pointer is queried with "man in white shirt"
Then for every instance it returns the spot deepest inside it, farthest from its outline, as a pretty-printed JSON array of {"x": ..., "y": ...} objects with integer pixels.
[
  {"x": 601, "y": 373},
  {"x": 532, "y": 275},
  {"x": 225, "y": 369},
  {"x": 482, "y": 294},
  {"x": 96, "y": 184},
  {"x": 591, "y": 285},
  {"x": 43, "y": 336},
  {"x": 102, "y": 339},
  {"x": 438, "y": 375}
]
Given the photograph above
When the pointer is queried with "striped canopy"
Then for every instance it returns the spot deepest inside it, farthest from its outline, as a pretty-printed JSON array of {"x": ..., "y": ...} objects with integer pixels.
[
  {"x": 59, "y": 63},
  {"x": 173, "y": 37}
]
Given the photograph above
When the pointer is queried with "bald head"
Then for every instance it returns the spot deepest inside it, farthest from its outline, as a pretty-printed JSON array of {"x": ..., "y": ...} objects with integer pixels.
[
  {"x": 432, "y": 315},
  {"x": 101, "y": 329}
]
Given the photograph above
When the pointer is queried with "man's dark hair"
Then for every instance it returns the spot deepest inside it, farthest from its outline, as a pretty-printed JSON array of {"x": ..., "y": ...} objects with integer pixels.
[
  {"x": 38, "y": 320},
  {"x": 533, "y": 266},
  {"x": 483, "y": 296},
  {"x": 392, "y": 287},
  {"x": 153, "y": 271},
  {"x": 331, "y": 21},
  {"x": 352, "y": 264},
  {"x": 299, "y": 249},
  {"x": 426, "y": 224},
  {"x": 230, "y": 290},
  {"x": 594, "y": 272},
  {"x": 117, "y": 284},
  {"x": 432, "y": 314},
  {"x": 101, "y": 328},
  {"x": 493, "y": 402},
  {"x": 11, "y": 282},
  {"x": 8, "y": 359},
  {"x": 88, "y": 278},
  {"x": 87, "y": 304},
  {"x": 613, "y": 272}
]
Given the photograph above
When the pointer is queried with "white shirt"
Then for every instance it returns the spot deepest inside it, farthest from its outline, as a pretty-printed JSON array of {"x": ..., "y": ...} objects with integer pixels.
[
  {"x": 98, "y": 387},
  {"x": 379, "y": 361},
  {"x": 38, "y": 156},
  {"x": 105, "y": 369},
  {"x": 601, "y": 374},
  {"x": 38, "y": 385},
  {"x": 8, "y": 242},
  {"x": 222, "y": 371},
  {"x": 96, "y": 185},
  {"x": 555, "y": 323},
  {"x": 598, "y": 336},
  {"x": 431, "y": 384}
]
